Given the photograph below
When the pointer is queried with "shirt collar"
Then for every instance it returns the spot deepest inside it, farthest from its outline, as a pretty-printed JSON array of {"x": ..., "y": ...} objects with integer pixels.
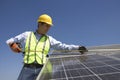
[{"x": 37, "y": 34}]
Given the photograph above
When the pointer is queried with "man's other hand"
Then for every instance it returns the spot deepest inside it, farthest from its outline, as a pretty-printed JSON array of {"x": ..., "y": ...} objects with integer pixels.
[{"x": 82, "y": 49}]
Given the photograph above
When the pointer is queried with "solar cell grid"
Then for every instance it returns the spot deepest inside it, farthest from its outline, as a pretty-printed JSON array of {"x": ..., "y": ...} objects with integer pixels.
[{"x": 87, "y": 67}]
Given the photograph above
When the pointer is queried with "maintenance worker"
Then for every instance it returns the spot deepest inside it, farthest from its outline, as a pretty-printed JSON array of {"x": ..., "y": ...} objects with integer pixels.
[{"x": 36, "y": 46}]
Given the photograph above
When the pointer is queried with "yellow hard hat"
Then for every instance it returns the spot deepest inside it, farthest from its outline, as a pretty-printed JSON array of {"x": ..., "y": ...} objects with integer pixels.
[{"x": 45, "y": 18}]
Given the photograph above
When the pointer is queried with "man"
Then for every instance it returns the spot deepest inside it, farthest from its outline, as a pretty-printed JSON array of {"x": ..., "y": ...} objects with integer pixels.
[{"x": 36, "y": 46}]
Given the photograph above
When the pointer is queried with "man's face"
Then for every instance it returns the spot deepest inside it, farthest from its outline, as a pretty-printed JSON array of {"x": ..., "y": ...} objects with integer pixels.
[{"x": 43, "y": 28}]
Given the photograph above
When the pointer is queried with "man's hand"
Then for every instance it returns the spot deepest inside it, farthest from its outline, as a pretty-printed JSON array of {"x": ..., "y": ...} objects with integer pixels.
[
  {"x": 15, "y": 47},
  {"x": 82, "y": 49}
]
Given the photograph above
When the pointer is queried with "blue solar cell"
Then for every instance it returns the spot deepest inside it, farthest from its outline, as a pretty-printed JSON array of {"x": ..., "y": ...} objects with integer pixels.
[
  {"x": 84, "y": 78},
  {"x": 94, "y": 64},
  {"x": 112, "y": 62},
  {"x": 112, "y": 76},
  {"x": 103, "y": 70},
  {"x": 117, "y": 66}
]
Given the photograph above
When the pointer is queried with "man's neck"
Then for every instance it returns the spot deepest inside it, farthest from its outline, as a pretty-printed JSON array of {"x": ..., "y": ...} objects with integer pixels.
[{"x": 39, "y": 32}]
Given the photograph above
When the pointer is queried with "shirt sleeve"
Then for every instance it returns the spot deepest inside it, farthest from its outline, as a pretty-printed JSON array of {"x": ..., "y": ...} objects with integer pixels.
[
  {"x": 19, "y": 38},
  {"x": 57, "y": 45}
]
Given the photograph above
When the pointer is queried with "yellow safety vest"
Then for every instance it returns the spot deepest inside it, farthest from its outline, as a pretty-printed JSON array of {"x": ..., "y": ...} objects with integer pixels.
[{"x": 36, "y": 51}]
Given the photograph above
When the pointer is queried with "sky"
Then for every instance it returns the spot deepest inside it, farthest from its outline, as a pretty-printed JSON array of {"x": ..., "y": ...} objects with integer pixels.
[{"x": 79, "y": 22}]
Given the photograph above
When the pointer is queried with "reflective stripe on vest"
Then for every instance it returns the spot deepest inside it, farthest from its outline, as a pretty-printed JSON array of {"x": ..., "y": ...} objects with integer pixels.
[{"x": 36, "y": 51}]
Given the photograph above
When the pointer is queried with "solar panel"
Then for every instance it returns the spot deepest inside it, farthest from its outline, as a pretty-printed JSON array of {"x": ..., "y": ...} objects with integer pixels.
[{"x": 82, "y": 67}]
